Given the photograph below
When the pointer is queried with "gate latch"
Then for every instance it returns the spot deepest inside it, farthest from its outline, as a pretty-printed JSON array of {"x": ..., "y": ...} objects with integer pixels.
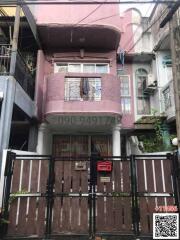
[{"x": 104, "y": 166}]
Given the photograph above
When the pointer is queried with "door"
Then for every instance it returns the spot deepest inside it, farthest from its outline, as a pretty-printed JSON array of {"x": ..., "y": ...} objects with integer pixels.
[{"x": 74, "y": 207}]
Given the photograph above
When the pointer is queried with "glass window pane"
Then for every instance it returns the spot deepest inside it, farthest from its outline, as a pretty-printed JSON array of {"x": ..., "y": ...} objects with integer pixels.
[
  {"x": 61, "y": 68},
  {"x": 89, "y": 68},
  {"x": 95, "y": 89},
  {"x": 101, "y": 68},
  {"x": 125, "y": 86},
  {"x": 167, "y": 98},
  {"x": 126, "y": 105},
  {"x": 72, "y": 89},
  {"x": 74, "y": 68}
]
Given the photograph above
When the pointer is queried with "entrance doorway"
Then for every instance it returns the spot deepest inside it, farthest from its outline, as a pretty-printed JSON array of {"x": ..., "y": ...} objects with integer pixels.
[{"x": 82, "y": 145}]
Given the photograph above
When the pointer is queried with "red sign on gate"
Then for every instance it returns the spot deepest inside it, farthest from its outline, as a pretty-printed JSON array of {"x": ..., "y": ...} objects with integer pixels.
[{"x": 104, "y": 166}]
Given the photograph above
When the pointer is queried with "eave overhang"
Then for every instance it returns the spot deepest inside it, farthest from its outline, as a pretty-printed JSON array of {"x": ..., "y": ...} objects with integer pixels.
[{"x": 55, "y": 37}]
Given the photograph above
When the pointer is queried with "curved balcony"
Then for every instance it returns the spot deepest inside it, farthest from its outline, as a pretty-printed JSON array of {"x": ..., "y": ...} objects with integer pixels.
[
  {"x": 101, "y": 37},
  {"x": 105, "y": 100}
]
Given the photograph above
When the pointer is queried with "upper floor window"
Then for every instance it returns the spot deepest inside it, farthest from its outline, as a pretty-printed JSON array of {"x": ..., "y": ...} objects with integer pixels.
[
  {"x": 81, "y": 67},
  {"x": 169, "y": 74},
  {"x": 143, "y": 100},
  {"x": 167, "y": 98},
  {"x": 125, "y": 94}
]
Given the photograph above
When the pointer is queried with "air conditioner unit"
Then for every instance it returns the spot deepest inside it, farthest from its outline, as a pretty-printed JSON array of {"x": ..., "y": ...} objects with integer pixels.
[
  {"x": 150, "y": 80},
  {"x": 151, "y": 84}
]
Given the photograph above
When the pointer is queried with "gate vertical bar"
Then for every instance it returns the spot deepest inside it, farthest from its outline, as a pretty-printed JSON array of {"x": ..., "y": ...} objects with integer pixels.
[
  {"x": 137, "y": 214},
  {"x": 174, "y": 160},
  {"x": 92, "y": 195},
  {"x": 135, "y": 211},
  {"x": 49, "y": 196},
  {"x": 7, "y": 188}
]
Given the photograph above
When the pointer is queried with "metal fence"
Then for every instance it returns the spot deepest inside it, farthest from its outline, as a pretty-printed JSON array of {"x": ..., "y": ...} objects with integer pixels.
[{"x": 46, "y": 196}]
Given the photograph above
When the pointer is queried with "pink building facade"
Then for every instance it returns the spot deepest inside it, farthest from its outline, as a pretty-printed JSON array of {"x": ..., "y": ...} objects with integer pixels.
[{"x": 84, "y": 85}]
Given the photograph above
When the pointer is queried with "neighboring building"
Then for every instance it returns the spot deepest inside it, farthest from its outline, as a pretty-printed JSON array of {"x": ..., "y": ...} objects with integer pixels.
[
  {"x": 163, "y": 67},
  {"x": 17, "y": 108}
]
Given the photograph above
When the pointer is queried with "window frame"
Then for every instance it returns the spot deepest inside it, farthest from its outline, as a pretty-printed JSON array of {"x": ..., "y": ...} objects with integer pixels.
[
  {"x": 125, "y": 97},
  {"x": 81, "y": 67},
  {"x": 164, "y": 92},
  {"x": 143, "y": 97}
]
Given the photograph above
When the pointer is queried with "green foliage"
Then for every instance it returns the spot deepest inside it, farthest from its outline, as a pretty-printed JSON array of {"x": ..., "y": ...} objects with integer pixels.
[
  {"x": 15, "y": 195},
  {"x": 153, "y": 142}
]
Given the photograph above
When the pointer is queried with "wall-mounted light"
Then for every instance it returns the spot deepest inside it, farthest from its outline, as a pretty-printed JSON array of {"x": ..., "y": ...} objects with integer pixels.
[
  {"x": 175, "y": 141},
  {"x": 1, "y": 96}
]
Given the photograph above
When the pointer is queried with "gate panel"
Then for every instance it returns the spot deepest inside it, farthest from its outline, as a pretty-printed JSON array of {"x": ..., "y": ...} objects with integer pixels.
[
  {"x": 83, "y": 200},
  {"x": 27, "y": 211},
  {"x": 155, "y": 189},
  {"x": 70, "y": 211},
  {"x": 114, "y": 210}
]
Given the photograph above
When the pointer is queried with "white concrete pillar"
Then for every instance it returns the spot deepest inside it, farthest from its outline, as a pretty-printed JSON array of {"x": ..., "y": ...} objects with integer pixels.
[
  {"x": 116, "y": 140},
  {"x": 44, "y": 139}
]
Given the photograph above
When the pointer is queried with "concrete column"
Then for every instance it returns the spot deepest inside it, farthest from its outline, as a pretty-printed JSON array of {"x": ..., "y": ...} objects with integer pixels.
[
  {"x": 116, "y": 140},
  {"x": 44, "y": 143},
  {"x": 32, "y": 142},
  {"x": 6, "y": 114}
]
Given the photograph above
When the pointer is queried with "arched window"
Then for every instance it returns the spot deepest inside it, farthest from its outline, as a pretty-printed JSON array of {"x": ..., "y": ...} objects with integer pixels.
[{"x": 143, "y": 99}]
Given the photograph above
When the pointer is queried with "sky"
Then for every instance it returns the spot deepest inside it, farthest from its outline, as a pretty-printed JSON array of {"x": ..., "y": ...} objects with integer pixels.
[{"x": 145, "y": 9}]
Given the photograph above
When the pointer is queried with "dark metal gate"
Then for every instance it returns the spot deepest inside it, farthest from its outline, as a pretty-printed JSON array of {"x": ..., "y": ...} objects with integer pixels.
[{"x": 49, "y": 197}]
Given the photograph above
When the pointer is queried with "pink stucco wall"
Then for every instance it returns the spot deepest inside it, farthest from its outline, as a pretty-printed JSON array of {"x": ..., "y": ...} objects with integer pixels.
[
  {"x": 50, "y": 90},
  {"x": 110, "y": 100},
  {"x": 74, "y": 14},
  {"x": 83, "y": 14}
]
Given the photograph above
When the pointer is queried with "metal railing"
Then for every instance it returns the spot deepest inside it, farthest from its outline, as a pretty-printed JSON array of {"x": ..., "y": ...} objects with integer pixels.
[
  {"x": 22, "y": 73},
  {"x": 5, "y": 57},
  {"x": 82, "y": 89}
]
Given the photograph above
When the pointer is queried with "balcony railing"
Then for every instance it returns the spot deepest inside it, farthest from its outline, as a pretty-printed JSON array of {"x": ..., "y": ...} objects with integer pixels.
[
  {"x": 24, "y": 77},
  {"x": 5, "y": 56},
  {"x": 22, "y": 73},
  {"x": 82, "y": 89}
]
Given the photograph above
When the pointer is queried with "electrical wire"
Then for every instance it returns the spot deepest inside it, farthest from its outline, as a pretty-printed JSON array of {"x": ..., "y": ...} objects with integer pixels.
[
  {"x": 79, "y": 2},
  {"x": 90, "y": 13},
  {"x": 98, "y": 19}
]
